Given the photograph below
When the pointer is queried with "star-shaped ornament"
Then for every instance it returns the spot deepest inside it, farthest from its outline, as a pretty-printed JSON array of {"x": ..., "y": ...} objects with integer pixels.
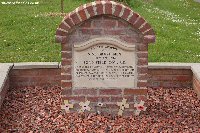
[
  {"x": 139, "y": 107},
  {"x": 122, "y": 105},
  {"x": 67, "y": 106},
  {"x": 84, "y": 106}
]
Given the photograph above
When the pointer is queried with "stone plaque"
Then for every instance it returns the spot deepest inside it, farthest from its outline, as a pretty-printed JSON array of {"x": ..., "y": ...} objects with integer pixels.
[{"x": 104, "y": 63}]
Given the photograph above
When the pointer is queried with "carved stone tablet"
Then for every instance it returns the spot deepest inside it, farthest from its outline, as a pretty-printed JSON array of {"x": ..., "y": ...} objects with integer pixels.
[{"x": 104, "y": 62}]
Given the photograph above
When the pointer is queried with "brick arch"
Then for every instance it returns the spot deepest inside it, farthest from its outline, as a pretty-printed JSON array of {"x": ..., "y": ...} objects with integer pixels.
[{"x": 104, "y": 7}]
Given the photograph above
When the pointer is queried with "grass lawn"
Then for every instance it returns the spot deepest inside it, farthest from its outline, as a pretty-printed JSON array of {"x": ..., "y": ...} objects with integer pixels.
[{"x": 27, "y": 34}]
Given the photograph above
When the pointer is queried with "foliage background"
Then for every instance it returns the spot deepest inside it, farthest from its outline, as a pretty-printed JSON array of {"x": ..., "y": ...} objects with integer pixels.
[{"x": 27, "y": 32}]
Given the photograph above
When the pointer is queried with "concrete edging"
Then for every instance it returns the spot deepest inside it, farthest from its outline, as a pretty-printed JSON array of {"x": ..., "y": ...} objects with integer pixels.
[
  {"x": 4, "y": 71},
  {"x": 33, "y": 65},
  {"x": 196, "y": 70}
]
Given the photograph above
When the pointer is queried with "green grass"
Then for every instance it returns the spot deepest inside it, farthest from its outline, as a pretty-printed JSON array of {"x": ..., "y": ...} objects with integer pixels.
[{"x": 27, "y": 35}]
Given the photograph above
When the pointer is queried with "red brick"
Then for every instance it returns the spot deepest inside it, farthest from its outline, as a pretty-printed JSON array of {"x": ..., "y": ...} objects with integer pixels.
[
  {"x": 92, "y": 92},
  {"x": 142, "y": 84},
  {"x": 170, "y": 72},
  {"x": 66, "y": 47},
  {"x": 75, "y": 18},
  {"x": 150, "y": 32},
  {"x": 182, "y": 78},
  {"x": 126, "y": 13},
  {"x": 85, "y": 31},
  {"x": 104, "y": 99},
  {"x": 142, "y": 47},
  {"x": 130, "y": 39},
  {"x": 63, "y": 26},
  {"x": 66, "y": 84},
  {"x": 162, "y": 77},
  {"x": 122, "y": 24},
  {"x": 135, "y": 91},
  {"x": 92, "y": 99},
  {"x": 172, "y": 84},
  {"x": 19, "y": 79},
  {"x": 90, "y": 10},
  {"x": 67, "y": 55},
  {"x": 154, "y": 84},
  {"x": 60, "y": 33},
  {"x": 143, "y": 76},
  {"x": 66, "y": 77},
  {"x": 66, "y": 92},
  {"x": 108, "y": 8},
  {"x": 96, "y": 31},
  {"x": 91, "y": 31},
  {"x": 66, "y": 62},
  {"x": 118, "y": 9},
  {"x": 109, "y": 23},
  {"x": 141, "y": 98},
  {"x": 112, "y": 106},
  {"x": 99, "y": 7},
  {"x": 48, "y": 72},
  {"x": 110, "y": 92},
  {"x": 145, "y": 27},
  {"x": 142, "y": 61},
  {"x": 97, "y": 23},
  {"x": 66, "y": 69},
  {"x": 74, "y": 98},
  {"x": 127, "y": 113},
  {"x": 133, "y": 19},
  {"x": 87, "y": 24},
  {"x": 82, "y": 14},
  {"x": 142, "y": 70},
  {"x": 142, "y": 54},
  {"x": 116, "y": 99},
  {"x": 119, "y": 98},
  {"x": 69, "y": 22},
  {"x": 61, "y": 39},
  {"x": 139, "y": 23},
  {"x": 149, "y": 39},
  {"x": 115, "y": 32}
]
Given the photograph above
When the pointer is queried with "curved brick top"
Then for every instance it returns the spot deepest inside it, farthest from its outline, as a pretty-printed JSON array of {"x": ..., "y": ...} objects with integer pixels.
[{"x": 106, "y": 7}]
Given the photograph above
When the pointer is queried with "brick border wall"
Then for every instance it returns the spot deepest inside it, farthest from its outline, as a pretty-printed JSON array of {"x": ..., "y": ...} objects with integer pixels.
[
  {"x": 168, "y": 78},
  {"x": 34, "y": 77},
  {"x": 32, "y": 69},
  {"x": 35, "y": 74}
]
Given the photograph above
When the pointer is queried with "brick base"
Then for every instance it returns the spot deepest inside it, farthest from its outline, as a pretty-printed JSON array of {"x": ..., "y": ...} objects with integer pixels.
[
  {"x": 170, "y": 78},
  {"x": 109, "y": 97},
  {"x": 34, "y": 77},
  {"x": 158, "y": 77}
]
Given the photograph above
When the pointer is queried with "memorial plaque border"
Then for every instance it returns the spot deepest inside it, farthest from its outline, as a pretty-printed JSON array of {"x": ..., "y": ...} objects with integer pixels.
[{"x": 111, "y": 41}]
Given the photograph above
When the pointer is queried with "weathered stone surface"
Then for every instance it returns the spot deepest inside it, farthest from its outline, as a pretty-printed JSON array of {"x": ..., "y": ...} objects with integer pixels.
[{"x": 104, "y": 62}]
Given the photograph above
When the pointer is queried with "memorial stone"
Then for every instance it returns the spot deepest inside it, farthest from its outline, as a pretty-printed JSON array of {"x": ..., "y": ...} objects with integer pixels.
[{"x": 104, "y": 58}]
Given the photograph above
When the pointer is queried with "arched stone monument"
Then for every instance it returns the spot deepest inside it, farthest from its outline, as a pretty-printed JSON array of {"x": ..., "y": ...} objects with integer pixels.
[{"x": 104, "y": 57}]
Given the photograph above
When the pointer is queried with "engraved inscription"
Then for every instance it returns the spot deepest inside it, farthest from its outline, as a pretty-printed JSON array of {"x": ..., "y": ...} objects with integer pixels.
[{"x": 104, "y": 65}]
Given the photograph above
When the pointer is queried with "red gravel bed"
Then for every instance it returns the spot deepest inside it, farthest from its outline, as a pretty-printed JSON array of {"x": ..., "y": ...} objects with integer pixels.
[{"x": 36, "y": 109}]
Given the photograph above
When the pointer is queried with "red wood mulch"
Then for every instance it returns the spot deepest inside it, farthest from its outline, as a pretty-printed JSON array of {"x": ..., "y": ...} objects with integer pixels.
[{"x": 36, "y": 109}]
